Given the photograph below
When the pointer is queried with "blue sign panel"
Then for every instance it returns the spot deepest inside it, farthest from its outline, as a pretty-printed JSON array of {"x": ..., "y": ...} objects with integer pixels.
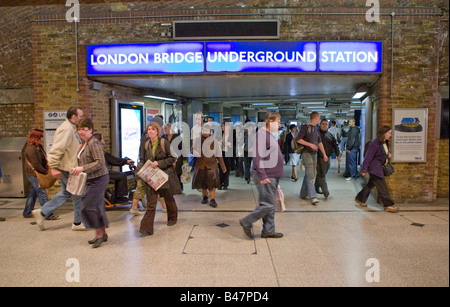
[
  {"x": 350, "y": 57},
  {"x": 135, "y": 59},
  {"x": 261, "y": 57},
  {"x": 235, "y": 57}
]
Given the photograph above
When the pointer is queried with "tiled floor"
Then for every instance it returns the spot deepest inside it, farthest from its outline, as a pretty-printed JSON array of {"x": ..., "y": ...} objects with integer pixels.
[{"x": 336, "y": 243}]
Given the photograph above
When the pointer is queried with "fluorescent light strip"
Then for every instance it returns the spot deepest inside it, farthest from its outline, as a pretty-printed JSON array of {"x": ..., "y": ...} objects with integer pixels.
[{"x": 160, "y": 98}]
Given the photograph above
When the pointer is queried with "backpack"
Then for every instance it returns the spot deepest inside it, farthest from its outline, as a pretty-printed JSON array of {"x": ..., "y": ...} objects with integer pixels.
[{"x": 296, "y": 146}]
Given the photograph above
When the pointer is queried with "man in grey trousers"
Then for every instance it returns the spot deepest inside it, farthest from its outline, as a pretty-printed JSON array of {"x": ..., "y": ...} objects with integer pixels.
[{"x": 268, "y": 169}]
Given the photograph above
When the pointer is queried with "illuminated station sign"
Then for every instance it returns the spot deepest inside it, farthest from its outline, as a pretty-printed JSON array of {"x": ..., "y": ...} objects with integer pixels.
[{"x": 235, "y": 57}]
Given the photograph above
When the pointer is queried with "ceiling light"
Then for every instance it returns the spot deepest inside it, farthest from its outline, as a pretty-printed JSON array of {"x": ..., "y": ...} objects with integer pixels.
[
  {"x": 358, "y": 95},
  {"x": 160, "y": 98},
  {"x": 159, "y": 95}
]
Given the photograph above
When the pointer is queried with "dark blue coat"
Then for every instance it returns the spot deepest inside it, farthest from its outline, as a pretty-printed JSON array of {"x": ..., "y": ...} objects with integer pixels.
[{"x": 374, "y": 159}]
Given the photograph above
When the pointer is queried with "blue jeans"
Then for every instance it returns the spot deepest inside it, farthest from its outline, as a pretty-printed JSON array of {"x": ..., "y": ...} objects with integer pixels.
[
  {"x": 353, "y": 163},
  {"x": 61, "y": 197},
  {"x": 267, "y": 198},
  {"x": 35, "y": 192},
  {"x": 310, "y": 163}
]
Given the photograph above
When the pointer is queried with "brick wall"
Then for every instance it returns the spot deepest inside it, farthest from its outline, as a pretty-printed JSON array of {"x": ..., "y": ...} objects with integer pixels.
[{"x": 417, "y": 68}]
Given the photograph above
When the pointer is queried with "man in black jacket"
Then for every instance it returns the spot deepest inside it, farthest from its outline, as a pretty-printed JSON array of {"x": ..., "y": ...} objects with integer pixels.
[
  {"x": 353, "y": 145},
  {"x": 329, "y": 144},
  {"x": 120, "y": 179}
]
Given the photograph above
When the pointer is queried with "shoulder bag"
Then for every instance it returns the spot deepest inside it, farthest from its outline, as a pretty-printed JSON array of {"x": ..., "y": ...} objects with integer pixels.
[
  {"x": 45, "y": 180},
  {"x": 388, "y": 168}
]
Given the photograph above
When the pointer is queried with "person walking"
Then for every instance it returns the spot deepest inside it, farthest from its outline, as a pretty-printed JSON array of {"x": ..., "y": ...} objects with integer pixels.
[
  {"x": 206, "y": 169},
  {"x": 171, "y": 137},
  {"x": 158, "y": 151},
  {"x": 309, "y": 137},
  {"x": 35, "y": 161},
  {"x": 227, "y": 155},
  {"x": 268, "y": 164},
  {"x": 61, "y": 158},
  {"x": 91, "y": 160},
  {"x": 353, "y": 145},
  {"x": 374, "y": 159},
  {"x": 331, "y": 146},
  {"x": 249, "y": 131},
  {"x": 294, "y": 158}
]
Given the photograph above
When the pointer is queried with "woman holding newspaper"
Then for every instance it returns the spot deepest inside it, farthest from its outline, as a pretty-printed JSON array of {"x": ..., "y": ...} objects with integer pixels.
[
  {"x": 91, "y": 160},
  {"x": 156, "y": 154}
]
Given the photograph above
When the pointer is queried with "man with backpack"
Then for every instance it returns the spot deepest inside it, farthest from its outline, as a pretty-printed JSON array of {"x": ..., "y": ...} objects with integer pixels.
[{"x": 309, "y": 137}]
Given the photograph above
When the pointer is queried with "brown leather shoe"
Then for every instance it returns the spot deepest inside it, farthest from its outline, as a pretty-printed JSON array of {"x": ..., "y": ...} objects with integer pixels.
[
  {"x": 360, "y": 203},
  {"x": 391, "y": 209}
]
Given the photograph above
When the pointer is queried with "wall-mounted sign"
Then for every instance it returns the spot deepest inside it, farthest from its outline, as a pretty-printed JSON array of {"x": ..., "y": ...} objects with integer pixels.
[
  {"x": 52, "y": 120},
  {"x": 235, "y": 57},
  {"x": 135, "y": 59},
  {"x": 350, "y": 57},
  {"x": 409, "y": 135},
  {"x": 261, "y": 57}
]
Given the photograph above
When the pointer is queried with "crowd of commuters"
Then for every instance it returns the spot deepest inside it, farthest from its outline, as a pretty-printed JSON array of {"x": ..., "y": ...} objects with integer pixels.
[{"x": 217, "y": 150}]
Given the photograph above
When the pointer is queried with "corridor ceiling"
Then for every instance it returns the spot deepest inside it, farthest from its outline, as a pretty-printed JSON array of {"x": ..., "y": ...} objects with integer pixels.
[{"x": 283, "y": 90}]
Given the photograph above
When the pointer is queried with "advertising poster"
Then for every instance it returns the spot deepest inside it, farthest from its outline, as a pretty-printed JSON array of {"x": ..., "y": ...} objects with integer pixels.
[
  {"x": 130, "y": 134},
  {"x": 150, "y": 113},
  {"x": 409, "y": 135}
]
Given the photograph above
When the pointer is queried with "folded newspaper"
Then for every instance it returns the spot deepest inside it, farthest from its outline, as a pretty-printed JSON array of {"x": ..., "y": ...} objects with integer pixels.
[
  {"x": 75, "y": 183},
  {"x": 154, "y": 177}
]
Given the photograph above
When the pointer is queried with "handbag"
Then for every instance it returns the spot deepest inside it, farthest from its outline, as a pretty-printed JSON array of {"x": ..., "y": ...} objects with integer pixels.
[
  {"x": 388, "y": 169},
  {"x": 45, "y": 180}
]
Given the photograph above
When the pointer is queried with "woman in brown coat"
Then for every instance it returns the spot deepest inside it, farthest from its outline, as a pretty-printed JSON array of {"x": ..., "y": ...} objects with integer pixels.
[
  {"x": 35, "y": 160},
  {"x": 206, "y": 171},
  {"x": 158, "y": 151}
]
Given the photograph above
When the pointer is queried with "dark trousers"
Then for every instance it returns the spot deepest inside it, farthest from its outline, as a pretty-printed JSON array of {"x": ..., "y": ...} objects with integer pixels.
[
  {"x": 380, "y": 184},
  {"x": 120, "y": 183},
  {"x": 225, "y": 177},
  {"x": 321, "y": 179},
  {"x": 152, "y": 198},
  {"x": 247, "y": 165},
  {"x": 93, "y": 202}
]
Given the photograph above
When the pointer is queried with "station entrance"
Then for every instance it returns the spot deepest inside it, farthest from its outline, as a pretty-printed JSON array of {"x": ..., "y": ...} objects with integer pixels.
[{"x": 238, "y": 97}]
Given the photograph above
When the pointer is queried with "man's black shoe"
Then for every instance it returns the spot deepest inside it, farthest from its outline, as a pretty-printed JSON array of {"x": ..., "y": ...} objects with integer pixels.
[
  {"x": 276, "y": 235},
  {"x": 247, "y": 230}
]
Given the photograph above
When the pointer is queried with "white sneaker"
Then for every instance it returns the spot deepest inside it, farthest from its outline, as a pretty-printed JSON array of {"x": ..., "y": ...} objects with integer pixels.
[
  {"x": 39, "y": 218},
  {"x": 348, "y": 178},
  {"x": 136, "y": 212},
  {"x": 80, "y": 227}
]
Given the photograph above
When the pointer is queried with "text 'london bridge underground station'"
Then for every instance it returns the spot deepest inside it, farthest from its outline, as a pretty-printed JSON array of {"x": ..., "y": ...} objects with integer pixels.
[{"x": 216, "y": 57}]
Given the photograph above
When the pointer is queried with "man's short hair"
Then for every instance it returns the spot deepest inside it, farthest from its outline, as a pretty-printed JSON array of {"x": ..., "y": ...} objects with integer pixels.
[
  {"x": 72, "y": 111},
  {"x": 313, "y": 115}
]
